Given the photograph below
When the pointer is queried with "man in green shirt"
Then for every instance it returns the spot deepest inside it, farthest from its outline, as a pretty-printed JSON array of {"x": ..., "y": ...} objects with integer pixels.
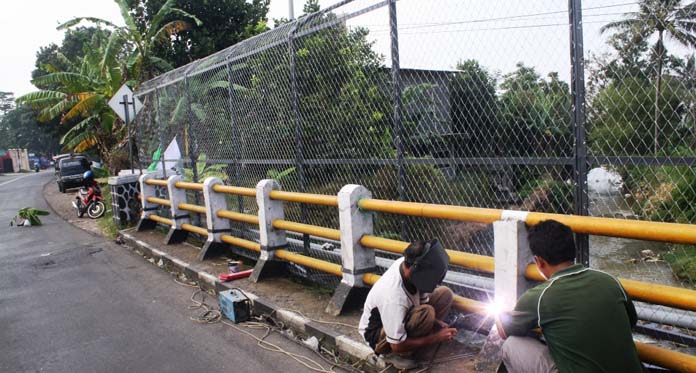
[{"x": 584, "y": 315}]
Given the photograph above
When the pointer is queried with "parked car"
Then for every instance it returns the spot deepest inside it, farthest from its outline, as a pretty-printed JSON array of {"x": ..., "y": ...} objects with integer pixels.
[{"x": 69, "y": 171}]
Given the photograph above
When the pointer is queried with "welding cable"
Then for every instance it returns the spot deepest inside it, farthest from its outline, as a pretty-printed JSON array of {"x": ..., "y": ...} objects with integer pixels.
[
  {"x": 324, "y": 322},
  {"x": 211, "y": 316},
  {"x": 278, "y": 327},
  {"x": 308, "y": 362}
]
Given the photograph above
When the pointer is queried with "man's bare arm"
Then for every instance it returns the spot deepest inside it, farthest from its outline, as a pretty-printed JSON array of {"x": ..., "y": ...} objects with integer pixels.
[{"x": 410, "y": 344}]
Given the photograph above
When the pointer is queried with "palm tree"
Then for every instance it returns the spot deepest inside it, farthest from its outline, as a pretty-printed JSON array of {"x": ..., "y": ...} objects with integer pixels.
[
  {"x": 142, "y": 63},
  {"x": 666, "y": 18}
]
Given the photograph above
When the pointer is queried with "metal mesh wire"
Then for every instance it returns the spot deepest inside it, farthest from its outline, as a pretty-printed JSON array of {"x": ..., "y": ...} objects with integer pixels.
[{"x": 479, "y": 104}]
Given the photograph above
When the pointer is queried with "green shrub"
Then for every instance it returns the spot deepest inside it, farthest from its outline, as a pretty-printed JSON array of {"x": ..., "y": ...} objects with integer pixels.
[{"x": 682, "y": 259}]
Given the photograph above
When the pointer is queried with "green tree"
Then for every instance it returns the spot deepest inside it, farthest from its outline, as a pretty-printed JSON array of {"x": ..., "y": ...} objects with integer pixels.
[
  {"x": 6, "y": 102},
  {"x": 311, "y": 6},
  {"x": 223, "y": 23},
  {"x": 621, "y": 115},
  {"x": 74, "y": 46},
  {"x": 142, "y": 62},
  {"x": 79, "y": 98},
  {"x": 474, "y": 110},
  {"x": 535, "y": 113},
  {"x": 666, "y": 18},
  {"x": 19, "y": 128}
]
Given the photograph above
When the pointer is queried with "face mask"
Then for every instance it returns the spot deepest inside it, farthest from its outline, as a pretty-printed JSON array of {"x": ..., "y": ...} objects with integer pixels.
[{"x": 429, "y": 269}]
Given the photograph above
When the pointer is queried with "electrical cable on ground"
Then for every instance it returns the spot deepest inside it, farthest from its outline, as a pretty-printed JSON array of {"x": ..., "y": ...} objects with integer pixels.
[
  {"x": 212, "y": 316},
  {"x": 325, "y": 322}
]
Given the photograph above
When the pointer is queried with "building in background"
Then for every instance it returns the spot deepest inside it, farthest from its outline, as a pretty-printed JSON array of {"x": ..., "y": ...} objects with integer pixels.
[
  {"x": 20, "y": 160},
  {"x": 5, "y": 162}
]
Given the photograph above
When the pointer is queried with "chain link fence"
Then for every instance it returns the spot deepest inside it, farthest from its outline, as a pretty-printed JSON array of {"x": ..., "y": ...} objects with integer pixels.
[{"x": 552, "y": 106}]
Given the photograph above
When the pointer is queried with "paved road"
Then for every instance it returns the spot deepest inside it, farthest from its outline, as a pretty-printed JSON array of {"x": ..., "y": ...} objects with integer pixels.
[{"x": 73, "y": 302}]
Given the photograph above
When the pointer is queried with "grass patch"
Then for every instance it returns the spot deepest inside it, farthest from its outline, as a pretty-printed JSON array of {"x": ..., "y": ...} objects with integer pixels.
[
  {"x": 682, "y": 259},
  {"x": 106, "y": 222},
  {"x": 312, "y": 286}
]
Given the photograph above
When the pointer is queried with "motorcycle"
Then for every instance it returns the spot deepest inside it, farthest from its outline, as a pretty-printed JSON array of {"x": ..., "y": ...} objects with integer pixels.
[{"x": 90, "y": 200}]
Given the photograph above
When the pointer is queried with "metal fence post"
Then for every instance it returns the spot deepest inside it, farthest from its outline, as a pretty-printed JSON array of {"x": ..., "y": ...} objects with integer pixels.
[
  {"x": 236, "y": 145},
  {"x": 297, "y": 117},
  {"x": 160, "y": 129},
  {"x": 578, "y": 93},
  {"x": 139, "y": 132},
  {"x": 193, "y": 145},
  {"x": 190, "y": 138},
  {"x": 398, "y": 124}
]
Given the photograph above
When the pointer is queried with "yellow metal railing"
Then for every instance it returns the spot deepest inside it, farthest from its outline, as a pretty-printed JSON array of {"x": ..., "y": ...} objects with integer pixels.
[
  {"x": 238, "y": 191},
  {"x": 643, "y": 291},
  {"x": 651, "y": 293},
  {"x": 672, "y": 360},
  {"x": 160, "y": 219},
  {"x": 313, "y": 199},
  {"x": 192, "y": 208},
  {"x": 159, "y": 201},
  {"x": 636, "y": 229},
  {"x": 314, "y": 230},
  {"x": 189, "y": 186},
  {"x": 460, "y": 258},
  {"x": 249, "y": 245},
  {"x": 156, "y": 182},
  {"x": 194, "y": 229},
  {"x": 238, "y": 216}
]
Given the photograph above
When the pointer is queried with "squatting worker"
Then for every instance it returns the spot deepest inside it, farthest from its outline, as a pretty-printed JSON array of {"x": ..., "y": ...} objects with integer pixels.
[
  {"x": 405, "y": 307},
  {"x": 584, "y": 315}
]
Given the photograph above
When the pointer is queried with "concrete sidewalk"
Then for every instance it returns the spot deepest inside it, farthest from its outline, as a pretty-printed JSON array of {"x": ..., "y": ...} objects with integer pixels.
[
  {"x": 75, "y": 302},
  {"x": 296, "y": 302}
]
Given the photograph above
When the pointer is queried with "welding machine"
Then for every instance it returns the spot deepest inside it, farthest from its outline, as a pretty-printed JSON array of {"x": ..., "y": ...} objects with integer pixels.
[{"x": 235, "y": 305}]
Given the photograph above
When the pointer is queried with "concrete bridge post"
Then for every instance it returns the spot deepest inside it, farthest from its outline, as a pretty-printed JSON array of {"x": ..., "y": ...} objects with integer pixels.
[
  {"x": 216, "y": 225},
  {"x": 356, "y": 259},
  {"x": 271, "y": 239},
  {"x": 512, "y": 256},
  {"x": 176, "y": 195},
  {"x": 149, "y": 208}
]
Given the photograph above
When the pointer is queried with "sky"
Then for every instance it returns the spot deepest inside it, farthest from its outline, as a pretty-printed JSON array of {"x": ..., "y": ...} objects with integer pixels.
[
  {"x": 434, "y": 34},
  {"x": 33, "y": 25}
]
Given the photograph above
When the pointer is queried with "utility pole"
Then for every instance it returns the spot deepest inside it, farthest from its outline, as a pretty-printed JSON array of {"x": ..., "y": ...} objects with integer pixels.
[{"x": 291, "y": 9}]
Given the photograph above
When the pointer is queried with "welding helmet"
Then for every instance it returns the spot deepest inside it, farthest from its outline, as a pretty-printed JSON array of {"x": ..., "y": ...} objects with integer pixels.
[{"x": 429, "y": 269}]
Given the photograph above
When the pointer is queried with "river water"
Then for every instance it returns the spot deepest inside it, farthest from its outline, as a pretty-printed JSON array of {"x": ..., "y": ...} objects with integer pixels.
[{"x": 622, "y": 257}]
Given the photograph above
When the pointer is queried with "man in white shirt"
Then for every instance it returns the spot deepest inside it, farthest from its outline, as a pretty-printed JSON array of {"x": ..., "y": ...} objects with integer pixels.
[{"x": 405, "y": 309}]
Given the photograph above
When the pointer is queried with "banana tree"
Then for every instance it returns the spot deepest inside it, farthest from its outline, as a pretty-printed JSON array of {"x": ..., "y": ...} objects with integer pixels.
[
  {"x": 142, "y": 62},
  {"x": 80, "y": 97}
]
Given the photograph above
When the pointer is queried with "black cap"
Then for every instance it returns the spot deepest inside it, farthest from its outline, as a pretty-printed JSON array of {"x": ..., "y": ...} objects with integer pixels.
[{"x": 429, "y": 269}]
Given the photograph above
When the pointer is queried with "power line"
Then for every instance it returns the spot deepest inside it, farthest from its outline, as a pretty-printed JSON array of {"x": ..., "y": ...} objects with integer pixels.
[
  {"x": 436, "y": 24},
  {"x": 385, "y": 29},
  {"x": 492, "y": 28}
]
